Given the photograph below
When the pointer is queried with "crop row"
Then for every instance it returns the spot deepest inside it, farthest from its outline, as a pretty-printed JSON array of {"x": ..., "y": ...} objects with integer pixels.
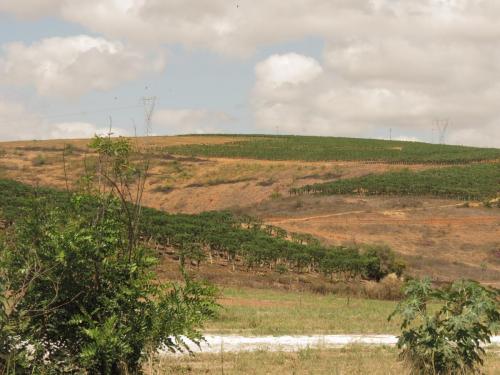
[
  {"x": 342, "y": 149},
  {"x": 472, "y": 182},
  {"x": 211, "y": 235}
]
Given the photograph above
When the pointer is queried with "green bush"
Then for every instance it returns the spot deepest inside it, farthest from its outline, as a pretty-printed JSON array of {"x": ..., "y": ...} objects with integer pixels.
[
  {"x": 447, "y": 341},
  {"x": 39, "y": 160},
  {"x": 79, "y": 293},
  {"x": 380, "y": 261},
  {"x": 81, "y": 301}
]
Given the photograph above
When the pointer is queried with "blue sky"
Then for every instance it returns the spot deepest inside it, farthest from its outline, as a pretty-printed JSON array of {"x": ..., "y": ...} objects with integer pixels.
[{"x": 310, "y": 67}]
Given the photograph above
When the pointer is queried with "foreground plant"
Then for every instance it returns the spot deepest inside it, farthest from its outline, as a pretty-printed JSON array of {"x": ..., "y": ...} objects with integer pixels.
[
  {"x": 447, "y": 340},
  {"x": 78, "y": 291}
]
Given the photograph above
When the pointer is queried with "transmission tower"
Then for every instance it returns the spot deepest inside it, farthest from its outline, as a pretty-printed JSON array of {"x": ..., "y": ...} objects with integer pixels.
[
  {"x": 441, "y": 127},
  {"x": 149, "y": 108}
]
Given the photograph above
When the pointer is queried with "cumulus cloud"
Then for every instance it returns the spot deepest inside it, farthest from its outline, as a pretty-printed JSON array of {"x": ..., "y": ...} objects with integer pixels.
[
  {"x": 72, "y": 66},
  {"x": 336, "y": 101},
  {"x": 386, "y": 63},
  {"x": 189, "y": 121},
  {"x": 18, "y": 123},
  {"x": 30, "y": 8},
  {"x": 240, "y": 27}
]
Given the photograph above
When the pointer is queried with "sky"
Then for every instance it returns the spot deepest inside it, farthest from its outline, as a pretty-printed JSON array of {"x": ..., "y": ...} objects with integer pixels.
[{"x": 357, "y": 68}]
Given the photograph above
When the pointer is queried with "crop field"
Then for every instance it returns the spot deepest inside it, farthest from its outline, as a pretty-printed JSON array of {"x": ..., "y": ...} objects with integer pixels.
[
  {"x": 442, "y": 242},
  {"x": 203, "y": 237},
  {"x": 473, "y": 182},
  {"x": 339, "y": 149}
]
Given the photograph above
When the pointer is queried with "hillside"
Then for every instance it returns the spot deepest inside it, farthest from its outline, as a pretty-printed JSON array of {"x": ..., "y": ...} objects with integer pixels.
[
  {"x": 437, "y": 236},
  {"x": 307, "y": 148}
]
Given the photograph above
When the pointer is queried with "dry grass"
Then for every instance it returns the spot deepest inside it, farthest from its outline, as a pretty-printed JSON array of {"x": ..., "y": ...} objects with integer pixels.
[{"x": 343, "y": 361}]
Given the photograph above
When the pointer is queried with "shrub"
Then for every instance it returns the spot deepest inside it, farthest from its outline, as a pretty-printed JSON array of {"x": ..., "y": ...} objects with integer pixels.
[
  {"x": 39, "y": 160},
  {"x": 78, "y": 291},
  {"x": 381, "y": 261},
  {"x": 449, "y": 340}
]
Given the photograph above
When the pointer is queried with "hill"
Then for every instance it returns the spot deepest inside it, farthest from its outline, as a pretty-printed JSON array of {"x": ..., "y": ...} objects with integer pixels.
[
  {"x": 307, "y": 148},
  {"x": 437, "y": 236}
]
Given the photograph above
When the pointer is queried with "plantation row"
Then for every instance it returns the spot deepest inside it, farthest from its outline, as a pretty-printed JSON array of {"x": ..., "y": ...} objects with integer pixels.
[
  {"x": 211, "y": 235},
  {"x": 341, "y": 149},
  {"x": 473, "y": 182}
]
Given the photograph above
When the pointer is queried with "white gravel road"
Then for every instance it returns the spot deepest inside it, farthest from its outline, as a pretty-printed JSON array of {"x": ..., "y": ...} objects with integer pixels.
[{"x": 233, "y": 343}]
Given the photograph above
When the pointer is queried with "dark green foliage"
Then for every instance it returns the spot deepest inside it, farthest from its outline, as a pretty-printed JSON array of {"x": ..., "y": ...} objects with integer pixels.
[
  {"x": 78, "y": 302},
  {"x": 221, "y": 234},
  {"x": 449, "y": 340},
  {"x": 39, "y": 160},
  {"x": 381, "y": 261},
  {"x": 476, "y": 181},
  {"x": 335, "y": 148},
  {"x": 78, "y": 289}
]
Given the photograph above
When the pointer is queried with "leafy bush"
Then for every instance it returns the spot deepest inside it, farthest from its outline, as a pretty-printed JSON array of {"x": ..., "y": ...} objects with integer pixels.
[
  {"x": 39, "y": 160},
  {"x": 78, "y": 291},
  {"x": 380, "y": 262},
  {"x": 449, "y": 340}
]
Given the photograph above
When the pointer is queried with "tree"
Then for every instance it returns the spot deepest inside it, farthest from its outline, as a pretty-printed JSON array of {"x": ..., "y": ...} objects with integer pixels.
[
  {"x": 449, "y": 340},
  {"x": 380, "y": 260},
  {"x": 78, "y": 289}
]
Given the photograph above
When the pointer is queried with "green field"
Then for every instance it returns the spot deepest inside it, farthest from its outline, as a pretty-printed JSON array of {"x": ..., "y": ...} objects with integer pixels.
[
  {"x": 274, "y": 312},
  {"x": 309, "y": 148},
  {"x": 472, "y": 182}
]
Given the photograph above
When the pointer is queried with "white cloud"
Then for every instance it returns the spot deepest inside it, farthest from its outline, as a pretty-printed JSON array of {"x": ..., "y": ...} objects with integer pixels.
[
  {"x": 335, "y": 101},
  {"x": 31, "y": 8},
  {"x": 291, "y": 68},
  {"x": 189, "y": 121},
  {"x": 240, "y": 27},
  {"x": 18, "y": 123},
  {"x": 72, "y": 66},
  {"x": 386, "y": 63}
]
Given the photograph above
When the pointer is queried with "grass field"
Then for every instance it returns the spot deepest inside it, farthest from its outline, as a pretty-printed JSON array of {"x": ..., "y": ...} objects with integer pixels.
[
  {"x": 271, "y": 312},
  {"x": 309, "y": 148},
  {"x": 476, "y": 182},
  {"x": 343, "y": 361}
]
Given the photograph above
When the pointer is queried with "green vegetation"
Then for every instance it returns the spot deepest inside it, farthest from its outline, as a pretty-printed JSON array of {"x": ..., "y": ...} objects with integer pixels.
[
  {"x": 274, "y": 312},
  {"x": 74, "y": 297},
  {"x": 78, "y": 290},
  {"x": 334, "y": 148},
  {"x": 221, "y": 235},
  {"x": 449, "y": 340},
  {"x": 39, "y": 160},
  {"x": 472, "y": 182}
]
